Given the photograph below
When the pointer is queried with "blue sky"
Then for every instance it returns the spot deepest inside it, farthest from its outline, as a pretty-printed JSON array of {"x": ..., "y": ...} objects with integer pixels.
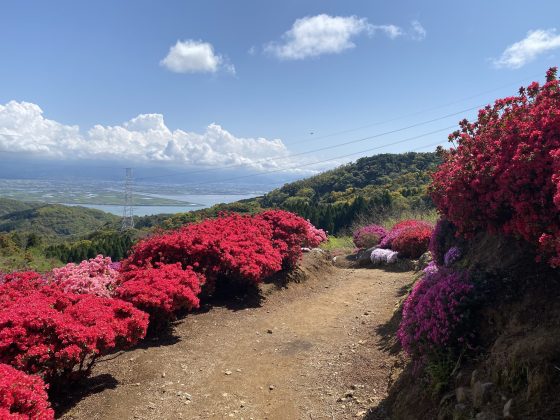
[{"x": 253, "y": 79}]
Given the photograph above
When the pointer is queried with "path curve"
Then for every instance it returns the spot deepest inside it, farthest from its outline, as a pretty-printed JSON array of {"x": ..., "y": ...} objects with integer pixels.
[{"x": 311, "y": 351}]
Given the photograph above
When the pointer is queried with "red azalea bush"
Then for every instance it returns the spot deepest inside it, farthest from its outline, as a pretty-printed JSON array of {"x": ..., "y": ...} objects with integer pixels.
[
  {"x": 412, "y": 242},
  {"x": 59, "y": 335},
  {"x": 368, "y": 236},
  {"x": 22, "y": 396},
  {"x": 232, "y": 247},
  {"x": 410, "y": 238},
  {"x": 161, "y": 291},
  {"x": 24, "y": 276},
  {"x": 503, "y": 176},
  {"x": 435, "y": 314},
  {"x": 94, "y": 276},
  {"x": 289, "y": 233}
]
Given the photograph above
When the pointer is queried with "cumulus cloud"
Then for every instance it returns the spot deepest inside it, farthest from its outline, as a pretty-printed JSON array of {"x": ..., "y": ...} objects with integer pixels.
[
  {"x": 536, "y": 42},
  {"x": 312, "y": 36},
  {"x": 144, "y": 139},
  {"x": 192, "y": 56},
  {"x": 418, "y": 33}
]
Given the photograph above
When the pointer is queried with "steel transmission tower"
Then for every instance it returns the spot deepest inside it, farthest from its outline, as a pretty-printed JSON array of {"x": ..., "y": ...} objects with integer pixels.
[{"x": 128, "y": 211}]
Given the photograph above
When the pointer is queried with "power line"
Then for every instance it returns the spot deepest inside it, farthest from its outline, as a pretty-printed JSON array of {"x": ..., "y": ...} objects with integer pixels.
[
  {"x": 330, "y": 159},
  {"x": 336, "y": 133},
  {"x": 273, "y": 159}
]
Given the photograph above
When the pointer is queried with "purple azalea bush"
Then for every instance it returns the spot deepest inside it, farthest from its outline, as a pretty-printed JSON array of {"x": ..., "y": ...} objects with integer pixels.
[
  {"x": 452, "y": 255},
  {"x": 435, "y": 313}
]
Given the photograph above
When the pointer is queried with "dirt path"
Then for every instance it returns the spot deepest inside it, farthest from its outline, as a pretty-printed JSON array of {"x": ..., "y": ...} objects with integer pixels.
[{"x": 295, "y": 357}]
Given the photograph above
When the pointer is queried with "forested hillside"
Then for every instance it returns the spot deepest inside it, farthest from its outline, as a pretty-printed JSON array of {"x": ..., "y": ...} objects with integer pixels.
[
  {"x": 52, "y": 219},
  {"x": 372, "y": 187}
]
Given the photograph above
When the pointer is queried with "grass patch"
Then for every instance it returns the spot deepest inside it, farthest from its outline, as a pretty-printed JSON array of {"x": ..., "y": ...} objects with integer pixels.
[{"x": 338, "y": 243}]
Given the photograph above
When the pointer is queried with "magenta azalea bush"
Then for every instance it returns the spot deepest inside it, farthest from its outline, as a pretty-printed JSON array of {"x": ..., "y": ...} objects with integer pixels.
[
  {"x": 368, "y": 236},
  {"x": 435, "y": 313},
  {"x": 95, "y": 276}
]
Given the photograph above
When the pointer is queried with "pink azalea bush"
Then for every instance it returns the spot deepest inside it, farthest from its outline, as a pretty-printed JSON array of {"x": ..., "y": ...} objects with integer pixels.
[
  {"x": 368, "y": 236},
  {"x": 435, "y": 313},
  {"x": 95, "y": 276}
]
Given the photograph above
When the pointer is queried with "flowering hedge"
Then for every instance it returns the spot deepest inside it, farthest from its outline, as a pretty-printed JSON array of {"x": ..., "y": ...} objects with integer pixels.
[
  {"x": 289, "y": 233},
  {"x": 58, "y": 334},
  {"x": 368, "y": 236},
  {"x": 94, "y": 276},
  {"x": 232, "y": 247},
  {"x": 435, "y": 314},
  {"x": 503, "y": 175},
  {"x": 410, "y": 238},
  {"x": 412, "y": 242},
  {"x": 22, "y": 396},
  {"x": 161, "y": 291}
]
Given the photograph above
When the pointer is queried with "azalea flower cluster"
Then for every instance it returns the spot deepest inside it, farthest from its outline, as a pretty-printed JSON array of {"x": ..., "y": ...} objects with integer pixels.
[
  {"x": 45, "y": 330},
  {"x": 410, "y": 238},
  {"x": 435, "y": 314},
  {"x": 232, "y": 247},
  {"x": 452, "y": 255},
  {"x": 94, "y": 276},
  {"x": 369, "y": 236},
  {"x": 503, "y": 175},
  {"x": 290, "y": 233},
  {"x": 23, "y": 396},
  {"x": 161, "y": 291},
  {"x": 57, "y": 325}
]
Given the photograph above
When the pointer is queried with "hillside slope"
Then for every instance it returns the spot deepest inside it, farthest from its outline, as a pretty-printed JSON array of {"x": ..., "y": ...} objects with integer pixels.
[
  {"x": 7, "y": 206},
  {"x": 372, "y": 186},
  {"x": 52, "y": 219}
]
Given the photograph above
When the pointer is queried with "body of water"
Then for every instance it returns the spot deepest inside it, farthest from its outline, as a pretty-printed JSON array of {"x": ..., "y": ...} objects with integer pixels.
[{"x": 203, "y": 201}]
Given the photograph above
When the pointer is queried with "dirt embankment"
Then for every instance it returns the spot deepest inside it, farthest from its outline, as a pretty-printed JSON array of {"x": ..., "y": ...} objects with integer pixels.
[{"x": 309, "y": 350}]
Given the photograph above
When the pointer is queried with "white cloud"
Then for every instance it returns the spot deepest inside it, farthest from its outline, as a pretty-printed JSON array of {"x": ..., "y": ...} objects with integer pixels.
[
  {"x": 145, "y": 138},
  {"x": 391, "y": 31},
  {"x": 312, "y": 36},
  {"x": 195, "y": 57},
  {"x": 536, "y": 42},
  {"x": 418, "y": 33}
]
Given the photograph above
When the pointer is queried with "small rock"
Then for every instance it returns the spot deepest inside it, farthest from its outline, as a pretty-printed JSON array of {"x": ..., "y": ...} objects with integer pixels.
[
  {"x": 271, "y": 387},
  {"x": 507, "y": 409},
  {"x": 187, "y": 396},
  {"x": 238, "y": 370},
  {"x": 485, "y": 415},
  {"x": 481, "y": 393},
  {"x": 228, "y": 372},
  {"x": 361, "y": 413},
  {"x": 474, "y": 377},
  {"x": 462, "y": 394},
  {"x": 163, "y": 374},
  {"x": 459, "y": 413},
  {"x": 349, "y": 394},
  {"x": 151, "y": 406},
  {"x": 242, "y": 403},
  {"x": 269, "y": 331}
]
